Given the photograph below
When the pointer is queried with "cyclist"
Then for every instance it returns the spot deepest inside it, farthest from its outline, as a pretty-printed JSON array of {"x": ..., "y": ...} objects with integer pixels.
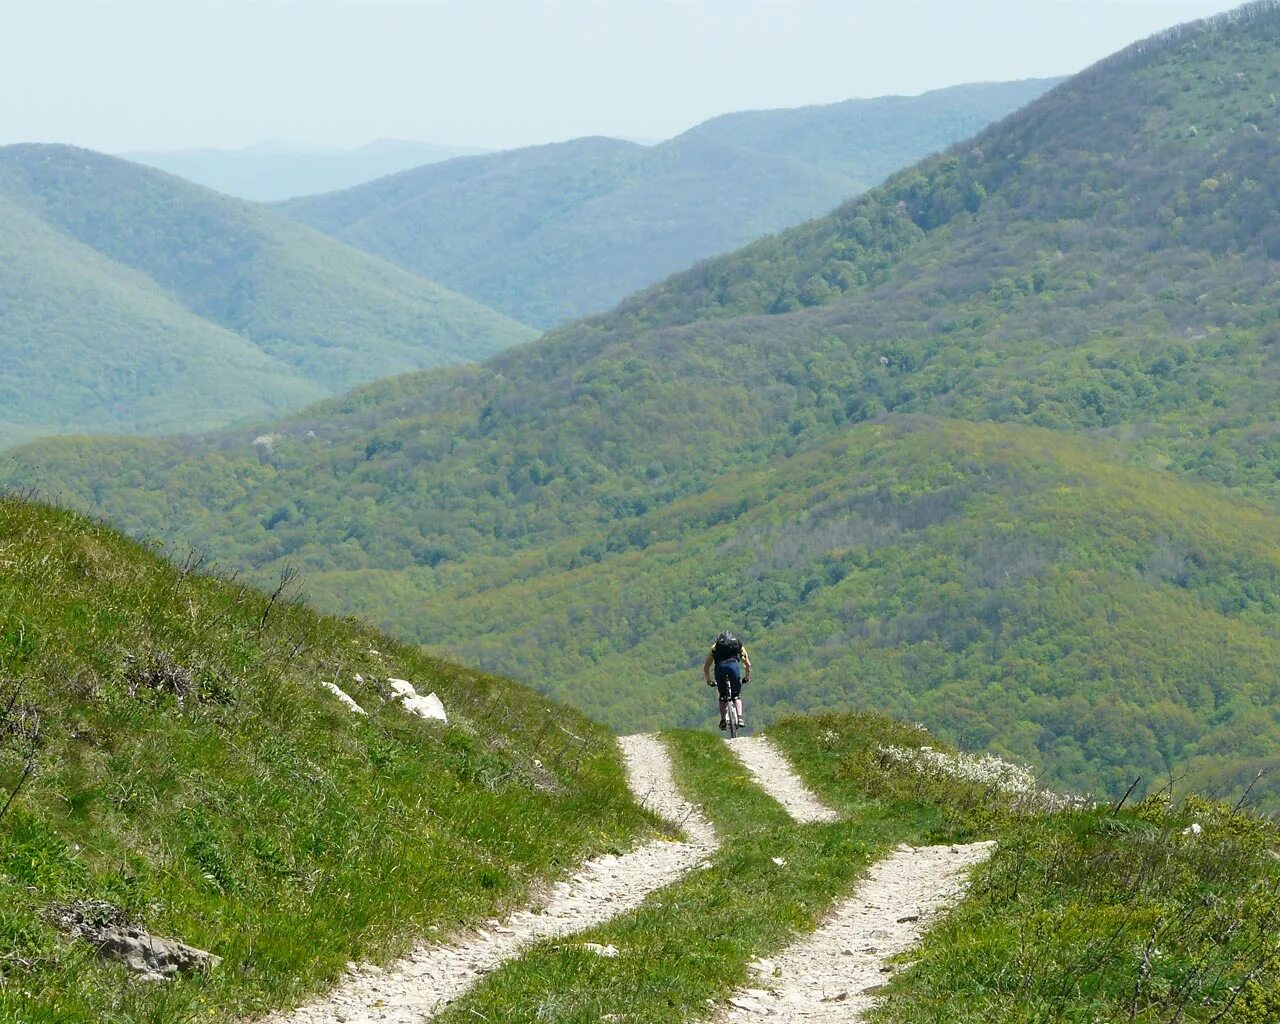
[{"x": 732, "y": 669}]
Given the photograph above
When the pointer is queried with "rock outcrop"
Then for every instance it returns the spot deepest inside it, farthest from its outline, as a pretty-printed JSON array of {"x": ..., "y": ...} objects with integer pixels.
[{"x": 109, "y": 930}]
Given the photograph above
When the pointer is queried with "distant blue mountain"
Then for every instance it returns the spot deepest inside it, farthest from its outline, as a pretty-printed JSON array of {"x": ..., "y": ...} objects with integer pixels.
[{"x": 272, "y": 171}]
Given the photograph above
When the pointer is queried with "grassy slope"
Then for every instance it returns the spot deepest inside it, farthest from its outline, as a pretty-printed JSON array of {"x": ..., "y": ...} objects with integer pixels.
[
  {"x": 191, "y": 769},
  {"x": 1030, "y": 278},
  {"x": 1080, "y": 916},
  {"x": 553, "y": 232},
  {"x": 284, "y": 313}
]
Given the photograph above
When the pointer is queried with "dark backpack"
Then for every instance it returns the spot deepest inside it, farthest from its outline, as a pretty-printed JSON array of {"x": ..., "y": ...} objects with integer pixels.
[{"x": 727, "y": 648}]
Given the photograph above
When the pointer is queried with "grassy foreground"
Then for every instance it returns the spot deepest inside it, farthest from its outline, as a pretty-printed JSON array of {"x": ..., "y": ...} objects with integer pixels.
[
  {"x": 1146, "y": 914},
  {"x": 1082, "y": 915},
  {"x": 174, "y": 754}
]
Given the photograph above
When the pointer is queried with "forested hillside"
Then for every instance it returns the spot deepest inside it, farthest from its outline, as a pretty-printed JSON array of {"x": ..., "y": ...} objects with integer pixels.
[
  {"x": 831, "y": 438},
  {"x": 136, "y": 302},
  {"x": 552, "y": 232}
]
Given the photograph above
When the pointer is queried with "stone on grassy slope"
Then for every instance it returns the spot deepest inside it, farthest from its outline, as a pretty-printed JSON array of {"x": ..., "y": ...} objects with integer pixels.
[
  {"x": 154, "y": 958},
  {"x": 343, "y": 698},
  {"x": 108, "y": 929},
  {"x": 429, "y": 707}
]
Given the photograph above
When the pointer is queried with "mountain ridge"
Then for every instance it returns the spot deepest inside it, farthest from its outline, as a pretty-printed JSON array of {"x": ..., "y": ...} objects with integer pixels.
[
  {"x": 577, "y": 225},
  {"x": 174, "y": 306},
  {"x": 275, "y": 171}
]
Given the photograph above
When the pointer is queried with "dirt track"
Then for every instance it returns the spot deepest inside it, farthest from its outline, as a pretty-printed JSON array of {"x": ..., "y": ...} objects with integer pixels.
[
  {"x": 829, "y": 976},
  {"x": 414, "y": 989}
]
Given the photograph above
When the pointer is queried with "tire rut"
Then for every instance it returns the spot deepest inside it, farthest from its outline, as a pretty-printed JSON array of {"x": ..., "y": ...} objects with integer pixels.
[
  {"x": 774, "y": 774},
  {"x": 833, "y": 975}
]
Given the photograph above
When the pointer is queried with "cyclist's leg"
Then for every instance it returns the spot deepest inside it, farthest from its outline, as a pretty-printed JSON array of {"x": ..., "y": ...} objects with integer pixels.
[
  {"x": 737, "y": 699},
  {"x": 724, "y": 684}
]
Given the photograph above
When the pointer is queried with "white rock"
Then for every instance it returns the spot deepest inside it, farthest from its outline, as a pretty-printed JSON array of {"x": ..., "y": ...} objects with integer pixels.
[
  {"x": 429, "y": 706},
  {"x": 350, "y": 704},
  {"x": 1193, "y": 829},
  {"x": 609, "y": 952}
]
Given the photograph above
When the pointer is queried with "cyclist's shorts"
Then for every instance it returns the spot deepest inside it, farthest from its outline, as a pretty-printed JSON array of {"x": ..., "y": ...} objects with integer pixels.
[{"x": 729, "y": 678}]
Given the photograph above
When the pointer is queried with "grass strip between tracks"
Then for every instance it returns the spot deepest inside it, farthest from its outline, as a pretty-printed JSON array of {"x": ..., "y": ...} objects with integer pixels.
[{"x": 691, "y": 944}]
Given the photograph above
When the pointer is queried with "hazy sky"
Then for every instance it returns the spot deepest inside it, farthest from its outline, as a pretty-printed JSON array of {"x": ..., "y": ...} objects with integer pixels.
[{"x": 130, "y": 74}]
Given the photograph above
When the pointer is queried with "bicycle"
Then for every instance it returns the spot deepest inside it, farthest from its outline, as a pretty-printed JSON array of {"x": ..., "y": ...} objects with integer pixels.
[{"x": 733, "y": 724}]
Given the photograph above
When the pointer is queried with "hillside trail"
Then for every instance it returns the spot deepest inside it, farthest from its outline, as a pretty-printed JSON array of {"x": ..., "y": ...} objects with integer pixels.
[
  {"x": 415, "y": 988},
  {"x": 775, "y": 776},
  {"x": 832, "y": 975}
]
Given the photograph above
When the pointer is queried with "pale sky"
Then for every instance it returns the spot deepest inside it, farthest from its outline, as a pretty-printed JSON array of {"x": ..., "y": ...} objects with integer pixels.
[{"x": 161, "y": 74}]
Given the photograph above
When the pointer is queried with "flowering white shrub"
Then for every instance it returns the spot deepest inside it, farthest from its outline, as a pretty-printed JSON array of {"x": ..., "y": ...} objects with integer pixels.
[{"x": 1017, "y": 780}]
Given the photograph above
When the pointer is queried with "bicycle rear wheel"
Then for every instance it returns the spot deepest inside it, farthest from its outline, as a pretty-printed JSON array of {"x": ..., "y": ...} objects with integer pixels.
[{"x": 731, "y": 715}]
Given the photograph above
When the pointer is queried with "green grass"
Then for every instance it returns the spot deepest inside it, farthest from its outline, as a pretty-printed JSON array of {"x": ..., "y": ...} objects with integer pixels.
[
  {"x": 707, "y": 772},
  {"x": 1079, "y": 916},
  {"x": 190, "y": 770},
  {"x": 837, "y": 754},
  {"x": 1089, "y": 916}
]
